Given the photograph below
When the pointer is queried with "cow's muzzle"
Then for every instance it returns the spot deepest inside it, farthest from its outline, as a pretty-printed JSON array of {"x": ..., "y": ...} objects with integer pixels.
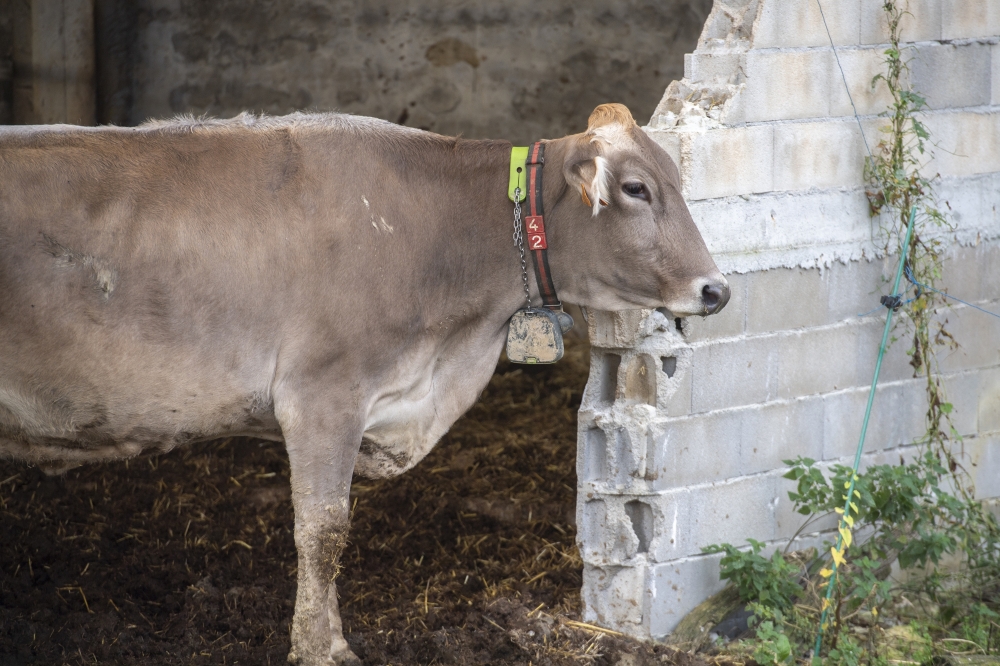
[
  {"x": 715, "y": 295},
  {"x": 703, "y": 296}
]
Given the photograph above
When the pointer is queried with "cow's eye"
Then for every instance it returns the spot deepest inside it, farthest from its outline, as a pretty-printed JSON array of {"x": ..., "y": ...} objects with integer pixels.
[{"x": 637, "y": 190}]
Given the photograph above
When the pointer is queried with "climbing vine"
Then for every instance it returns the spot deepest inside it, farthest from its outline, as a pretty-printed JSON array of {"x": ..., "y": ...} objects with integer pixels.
[{"x": 896, "y": 174}]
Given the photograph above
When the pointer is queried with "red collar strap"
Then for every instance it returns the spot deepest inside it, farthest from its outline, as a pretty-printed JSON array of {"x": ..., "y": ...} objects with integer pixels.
[{"x": 534, "y": 227}]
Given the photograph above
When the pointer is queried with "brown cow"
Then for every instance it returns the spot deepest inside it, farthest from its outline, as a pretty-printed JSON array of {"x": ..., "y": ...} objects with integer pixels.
[{"x": 338, "y": 283}]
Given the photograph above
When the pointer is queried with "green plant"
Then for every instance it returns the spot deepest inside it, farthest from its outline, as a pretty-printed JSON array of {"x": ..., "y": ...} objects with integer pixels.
[
  {"x": 772, "y": 646},
  {"x": 848, "y": 653},
  {"x": 767, "y": 581},
  {"x": 976, "y": 623}
]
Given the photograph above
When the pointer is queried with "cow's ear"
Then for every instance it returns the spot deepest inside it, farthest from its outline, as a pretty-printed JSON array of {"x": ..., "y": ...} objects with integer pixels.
[{"x": 586, "y": 172}]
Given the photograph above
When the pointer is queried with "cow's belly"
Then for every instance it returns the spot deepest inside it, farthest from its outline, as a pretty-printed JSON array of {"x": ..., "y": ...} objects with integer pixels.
[{"x": 64, "y": 426}]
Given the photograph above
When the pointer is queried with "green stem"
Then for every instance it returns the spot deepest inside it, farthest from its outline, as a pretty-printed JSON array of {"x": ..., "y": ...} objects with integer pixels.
[{"x": 864, "y": 427}]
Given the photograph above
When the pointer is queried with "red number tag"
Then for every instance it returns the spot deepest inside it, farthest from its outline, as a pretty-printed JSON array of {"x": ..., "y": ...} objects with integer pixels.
[{"x": 535, "y": 224}]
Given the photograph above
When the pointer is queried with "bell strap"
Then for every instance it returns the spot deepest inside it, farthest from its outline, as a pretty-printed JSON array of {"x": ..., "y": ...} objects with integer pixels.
[{"x": 534, "y": 227}]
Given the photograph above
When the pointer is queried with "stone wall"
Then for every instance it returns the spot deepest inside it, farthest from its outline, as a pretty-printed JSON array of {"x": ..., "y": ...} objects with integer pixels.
[
  {"x": 684, "y": 426},
  {"x": 519, "y": 70}
]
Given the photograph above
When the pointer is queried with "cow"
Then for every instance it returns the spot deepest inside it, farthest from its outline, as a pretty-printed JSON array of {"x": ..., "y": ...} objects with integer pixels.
[{"x": 337, "y": 283}]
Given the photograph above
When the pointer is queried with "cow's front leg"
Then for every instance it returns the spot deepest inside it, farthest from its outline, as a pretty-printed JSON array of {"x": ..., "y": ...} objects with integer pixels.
[{"x": 321, "y": 453}]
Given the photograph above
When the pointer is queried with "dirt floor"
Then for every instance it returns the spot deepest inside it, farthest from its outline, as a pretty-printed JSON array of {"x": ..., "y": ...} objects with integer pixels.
[{"x": 188, "y": 558}]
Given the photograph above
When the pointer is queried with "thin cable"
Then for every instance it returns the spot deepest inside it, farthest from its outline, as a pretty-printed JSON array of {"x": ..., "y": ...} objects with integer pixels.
[
  {"x": 846, "y": 87},
  {"x": 909, "y": 276},
  {"x": 857, "y": 118}
]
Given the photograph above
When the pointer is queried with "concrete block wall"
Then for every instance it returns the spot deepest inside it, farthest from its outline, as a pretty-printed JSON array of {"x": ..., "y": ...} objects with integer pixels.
[{"x": 684, "y": 425}]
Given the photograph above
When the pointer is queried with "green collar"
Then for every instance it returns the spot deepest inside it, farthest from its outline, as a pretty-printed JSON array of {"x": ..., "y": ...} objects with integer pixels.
[{"x": 518, "y": 156}]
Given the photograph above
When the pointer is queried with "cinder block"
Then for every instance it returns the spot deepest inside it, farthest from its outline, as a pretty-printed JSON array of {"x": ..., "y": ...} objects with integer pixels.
[
  {"x": 951, "y": 76},
  {"x": 972, "y": 209},
  {"x": 732, "y": 373},
  {"x": 677, "y": 588},
  {"x": 989, "y": 404},
  {"x": 896, "y": 362},
  {"x": 842, "y": 414},
  {"x": 961, "y": 19},
  {"x": 921, "y": 23},
  {"x": 729, "y": 161},
  {"x": 672, "y": 516},
  {"x": 626, "y": 455},
  {"x": 730, "y": 513},
  {"x": 710, "y": 67},
  {"x": 608, "y": 535},
  {"x": 962, "y": 271},
  {"x": 615, "y": 330},
  {"x": 640, "y": 381},
  {"x": 698, "y": 449},
  {"x": 816, "y": 227},
  {"x": 613, "y": 597},
  {"x": 592, "y": 459},
  {"x": 782, "y": 299},
  {"x": 782, "y": 85},
  {"x": 989, "y": 255},
  {"x": 860, "y": 67},
  {"x": 602, "y": 391},
  {"x": 977, "y": 334},
  {"x": 673, "y": 373},
  {"x": 823, "y": 154},
  {"x": 897, "y": 418},
  {"x": 784, "y": 222},
  {"x": 729, "y": 322},
  {"x": 729, "y": 225},
  {"x": 855, "y": 288},
  {"x": 593, "y": 532},
  {"x": 727, "y": 444},
  {"x": 669, "y": 140},
  {"x": 962, "y": 391},
  {"x": 605, "y": 534},
  {"x": 984, "y": 459},
  {"x": 995, "y": 69},
  {"x": 780, "y": 431},
  {"x": 790, "y": 24},
  {"x": 967, "y": 143},
  {"x": 678, "y": 403},
  {"x": 817, "y": 361}
]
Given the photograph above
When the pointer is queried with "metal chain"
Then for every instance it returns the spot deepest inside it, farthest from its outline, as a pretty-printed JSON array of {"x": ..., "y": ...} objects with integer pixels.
[{"x": 519, "y": 242}]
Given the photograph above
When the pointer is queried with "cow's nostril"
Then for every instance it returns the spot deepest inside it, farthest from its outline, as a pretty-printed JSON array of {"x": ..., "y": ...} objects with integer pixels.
[{"x": 714, "y": 296}]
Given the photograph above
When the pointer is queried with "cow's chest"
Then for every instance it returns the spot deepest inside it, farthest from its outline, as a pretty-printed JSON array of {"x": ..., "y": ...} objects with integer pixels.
[{"x": 425, "y": 396}]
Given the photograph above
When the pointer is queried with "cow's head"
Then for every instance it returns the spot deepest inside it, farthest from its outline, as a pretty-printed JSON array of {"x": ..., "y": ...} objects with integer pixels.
[{"x": 621, "y": 235}]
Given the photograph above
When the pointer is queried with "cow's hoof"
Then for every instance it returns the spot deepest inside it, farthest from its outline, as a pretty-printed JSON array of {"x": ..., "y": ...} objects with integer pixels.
[
  {"x": 343, "y": 658},
  {"x": 346, "y": 658}
]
